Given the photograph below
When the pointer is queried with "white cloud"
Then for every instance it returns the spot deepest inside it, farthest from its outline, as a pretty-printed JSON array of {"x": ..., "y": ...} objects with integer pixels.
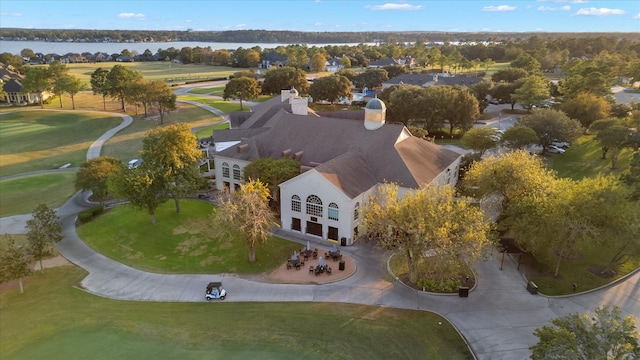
[
  {"x": 241, "y": 26},
  {"x": 131, "y": 15},
  {"x": 549, "y": 8},
  {"x": 319, "y": 24},
  {"x": 565, "y": 1},
  {"x": 600, "y": 11},
  {"x": 637, "y": 16},
  {"x": 391, "y": 6},
  {"x": 499, "y": 8},
  {"x": 10, "y": 14},
  {"x": 188, "y": 21}
]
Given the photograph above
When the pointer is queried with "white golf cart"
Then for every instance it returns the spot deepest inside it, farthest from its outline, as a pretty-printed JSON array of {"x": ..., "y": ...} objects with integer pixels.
[{"x": 215, "y": 291}]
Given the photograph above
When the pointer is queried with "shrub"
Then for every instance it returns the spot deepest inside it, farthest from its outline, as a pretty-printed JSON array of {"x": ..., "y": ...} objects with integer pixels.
[{"x": 88, "y": 214}]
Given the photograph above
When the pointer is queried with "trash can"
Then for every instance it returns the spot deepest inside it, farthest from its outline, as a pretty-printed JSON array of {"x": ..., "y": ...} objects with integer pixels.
[
  {"x": 532, "y": 287},
  {"x": 463, "y": 291},
  {"x": 343, "y": 241},
  {"x": 341, "y": 265}
]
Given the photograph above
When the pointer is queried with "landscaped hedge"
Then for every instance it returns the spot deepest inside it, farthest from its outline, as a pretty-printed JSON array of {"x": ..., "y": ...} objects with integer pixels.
[{"x": 88, "y": 214}]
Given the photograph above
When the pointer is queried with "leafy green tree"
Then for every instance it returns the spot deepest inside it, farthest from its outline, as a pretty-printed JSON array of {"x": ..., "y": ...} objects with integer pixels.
[
  {"x": 100, "y": 84},
  {"x": 461, "y": 108},
  {"x": 331, "y": 88},
  {"x": 284, "y": 78},
  {"x": 348, "y": 73},
  {"x": 221, "y": 57},
  {"x": 94, "y": 175},
  {"x": 527, "y": 63},
  {"x": 481, "y": 90},
  {"x": 586, "y": 108},
  {"x": 607, "y": 335},
  {"x": 172, "y": 152},
  {"x": 14, "y": 264},
  {"x": 371, "y": 78},
  {"x": 504, "y": 91},
  {"x": 37, "y": 81},
  {"x": 394, "y": 70},
  {"x": 162, "y": 97},
  {"x": 632, "y": 176},
  {"x": 27, "y": 53},
  {"x": 58, "y": 76},
  {"x": 551, "y": 125},
  {"x": 612, "y": 135},
  {"x": 345, "y": 61},
  {"x": 272, "y": 172},
  {"x": 509, "y": 75},
  {"x": 594, "y": 83},
  {"x": 119, "y": 79},
  {"x": 318, "y": 62},
  {"x": 248, "y": 210},
  {"x": 43, "y": 230},
  {"x": 241, "y": 88},
  {"x": 519, "y": 137},
  {"x": 71, "y": 85},
  {"x": 144, "y": 188},
  {"x": 534, "y": 90},
  {"x": 479, "y": 139},
  {"x": 401, "y": 101},
  {"x": 429, "y": 219}
]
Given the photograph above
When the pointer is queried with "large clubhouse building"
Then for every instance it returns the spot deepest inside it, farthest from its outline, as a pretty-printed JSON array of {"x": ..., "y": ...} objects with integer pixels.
[{"x": 343, "y": 160}]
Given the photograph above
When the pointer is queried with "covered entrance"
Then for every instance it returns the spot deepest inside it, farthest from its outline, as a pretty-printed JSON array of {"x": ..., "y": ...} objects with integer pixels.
[
  {"x": 314, "y": 228},
  {"x": 333, "y": 233}
]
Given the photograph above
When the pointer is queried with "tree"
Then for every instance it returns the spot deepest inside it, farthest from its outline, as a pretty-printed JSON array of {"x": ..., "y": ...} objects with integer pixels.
[
  {"x": 241, "y": 88},
  {"x": 14, "y": 264},
  {"x": 272, "y": 172},
  {"x": 221, "y": 57},
  {"x": 519, "y": 137},
  {"x": 27, "y": 53},
  {"x": 331, "y": 88},
  {"x": 143, "y": 187},
  {"x": 461, "y": 109},
  {"x": 394, "y": 70},
  {"x": 586, "y": 108},
  {"x": 248, "y": 210},
  {"x": 36, "y": 80},
  {"x": 479, "y": 139},
  {"x": 173, "y": 154},
  {"x": 58, "y": 76},
  {"x": 345, "y": 61},
  {"x": 509, "y": 75},
  {"x": 285, "y": 78},
  {"x": 551, "y": 125},
  {"x": 527, "y": 63},
  {"x": 632, "y": 176},
  {"x": 481, "y": 90},
  {"x": 71, "y": 85},
  {"x": 318, "y": 62},
  {"x": 607, "y": 335},
  {"x": 612, "y": 135},
  {"x": 100, "y": 84},
  {"x": 118, "y": 79},
  {"x": 371, "y": 78},
  {"x": 94, "y": 175},
  {"x": 428, "y": 219},
  {"x": 43, "y": 230},
  {"x": 533, "y": 91},
  {"x": 504, "y": 91},
  {"x": 401, "y": 101},
  {"x": 162, "y": 97}
]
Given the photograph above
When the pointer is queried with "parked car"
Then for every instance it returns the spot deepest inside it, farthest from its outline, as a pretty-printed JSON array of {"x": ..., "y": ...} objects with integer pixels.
[
  {"x": 133, "y": 164},
  {"x": 215, "y": 291},
  {"x": 560, "y": 144},
  {"x": 494, "y": 101},
  {"x": 555, "y": 150}
]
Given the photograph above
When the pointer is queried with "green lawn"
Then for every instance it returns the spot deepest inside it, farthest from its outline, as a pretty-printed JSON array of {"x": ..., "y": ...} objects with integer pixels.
[
  {"x": 22, "y": 195},
  {"x": 216, "y": 91},
  {"x": 584, "y": 159},
  {"x": 208, "y": 131},
  {"x": 179, "y": 243},
  {"x": 222, "y": 105},
  {"x": 54, "y": 320},
  {"x": 127, "y": 143},
  {"x": 42, "y": 140}
]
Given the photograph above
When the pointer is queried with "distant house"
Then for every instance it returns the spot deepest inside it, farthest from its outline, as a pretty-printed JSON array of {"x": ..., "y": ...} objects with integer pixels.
[
  {"x": 426, "y": 80},
  {"x": 272, "y": 59},
  {"x": 383, "y": 62},
  {"x": 11, "y": 82},
  {"x": 123, "y": 58},
  {"x": 334, "y": 65}
]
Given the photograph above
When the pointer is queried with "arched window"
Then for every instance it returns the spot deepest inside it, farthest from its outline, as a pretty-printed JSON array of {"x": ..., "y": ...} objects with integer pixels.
[
  {"x": 356, "y": 211},
  {"x": 236, "y": 172},
  {"x": 333, "y": 211},
  {"x": 225, "y": 170},
  {"x": 296, "y": 204},
  {"x": 314, "y": 206}
]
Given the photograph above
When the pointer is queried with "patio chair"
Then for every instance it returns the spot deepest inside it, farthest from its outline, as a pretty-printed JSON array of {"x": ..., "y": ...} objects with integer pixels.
[
  {"x": 328, "y": 270},
  {"x": 326, "y": 255},
  {"x": 311, "y": 269},
  {"x": 288, "y": 265},
  {"x": 298, "y": 266}
]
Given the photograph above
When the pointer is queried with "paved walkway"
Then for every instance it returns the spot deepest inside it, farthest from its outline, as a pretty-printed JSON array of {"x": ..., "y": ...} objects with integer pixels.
[{"x": 497, "y": 319}]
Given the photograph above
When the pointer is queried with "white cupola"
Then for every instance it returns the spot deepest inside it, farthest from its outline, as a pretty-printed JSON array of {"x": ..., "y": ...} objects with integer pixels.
[{"x": 374, "y": 114}]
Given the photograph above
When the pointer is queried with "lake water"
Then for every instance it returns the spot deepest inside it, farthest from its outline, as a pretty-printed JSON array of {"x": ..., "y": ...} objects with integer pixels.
[{"x": 61, "y": 48}]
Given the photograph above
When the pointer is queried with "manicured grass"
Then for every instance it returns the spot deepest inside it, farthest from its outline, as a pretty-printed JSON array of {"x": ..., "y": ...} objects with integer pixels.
[
  {"x": 222, "y": 105},
  {"x": 584, "y": 159},
  {"x": 42, "y": 140},
  {"x": 126, "y": 144},
  {"x": 217, "y": 91},
  {"x": 53, "y": 320},
  {"x": 208, "y": 131},
  {"x": 22, "y": 195},
  {"x": 187, "y": 242}
]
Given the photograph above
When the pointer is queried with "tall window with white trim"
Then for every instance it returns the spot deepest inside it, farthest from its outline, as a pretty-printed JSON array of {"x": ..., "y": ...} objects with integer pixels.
[
  {"x": 333, "y": 211},
  {"x": 314, "y": 206},
  {"x": 296, "y": 204},
  {"x": 225, "y": 170}
]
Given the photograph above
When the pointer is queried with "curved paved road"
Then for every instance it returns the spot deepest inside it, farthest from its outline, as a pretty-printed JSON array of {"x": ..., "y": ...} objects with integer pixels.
[{"x": 497, "y": 319}]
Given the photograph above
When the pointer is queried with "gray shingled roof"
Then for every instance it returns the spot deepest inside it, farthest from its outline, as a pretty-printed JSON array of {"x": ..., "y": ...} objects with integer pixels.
[
  {"x": 410, "y": 79},
  {"x": 351, "y": 157},
  {"x": 458, "y": 80}
]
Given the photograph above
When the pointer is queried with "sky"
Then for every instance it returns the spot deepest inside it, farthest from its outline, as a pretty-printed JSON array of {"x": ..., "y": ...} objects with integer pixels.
[{"x": 326, "y": 15}]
